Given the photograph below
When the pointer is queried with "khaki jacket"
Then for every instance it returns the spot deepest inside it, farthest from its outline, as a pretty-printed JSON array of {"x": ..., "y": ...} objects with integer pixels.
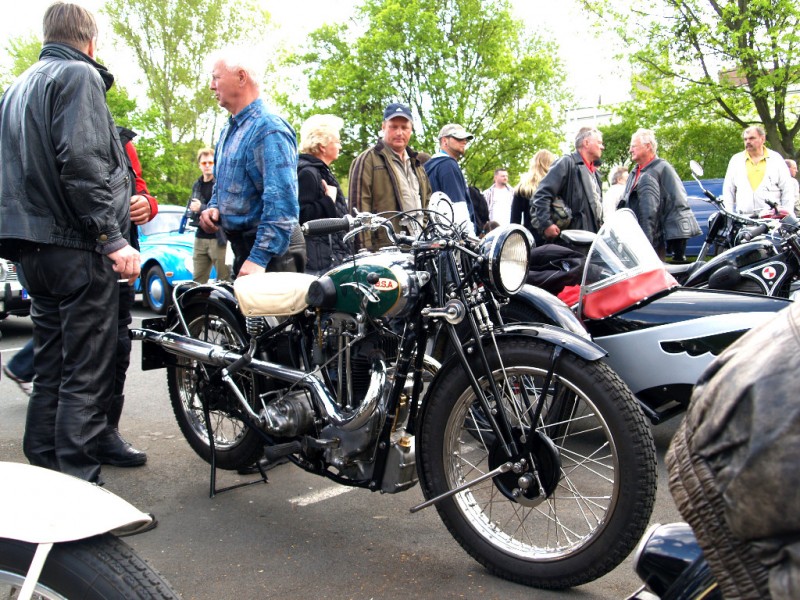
[{"x": 374, "y": 188}]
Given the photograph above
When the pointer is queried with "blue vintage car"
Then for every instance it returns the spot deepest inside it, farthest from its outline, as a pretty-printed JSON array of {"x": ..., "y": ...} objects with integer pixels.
[
  {"x": 166, "y": 255},
  {"x": 702, "y": 210}
]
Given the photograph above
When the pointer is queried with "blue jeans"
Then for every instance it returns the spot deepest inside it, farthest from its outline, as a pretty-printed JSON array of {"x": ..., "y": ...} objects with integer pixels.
[{"x": 21, "y": 364}]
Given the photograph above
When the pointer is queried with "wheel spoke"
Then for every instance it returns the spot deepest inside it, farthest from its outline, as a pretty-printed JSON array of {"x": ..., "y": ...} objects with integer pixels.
[{"x": 575, "y": 510}]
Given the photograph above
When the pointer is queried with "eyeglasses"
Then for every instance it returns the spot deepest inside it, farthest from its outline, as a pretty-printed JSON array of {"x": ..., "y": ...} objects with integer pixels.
[{"x": 206, "y": 163}]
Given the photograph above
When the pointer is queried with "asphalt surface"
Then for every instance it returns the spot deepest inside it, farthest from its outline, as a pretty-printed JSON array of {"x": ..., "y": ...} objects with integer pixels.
[{"x": 299, "y": 536}]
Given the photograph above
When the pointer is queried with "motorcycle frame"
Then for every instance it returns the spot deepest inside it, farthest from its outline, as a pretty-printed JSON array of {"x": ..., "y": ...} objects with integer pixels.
[{"x": 482, "y": 327}]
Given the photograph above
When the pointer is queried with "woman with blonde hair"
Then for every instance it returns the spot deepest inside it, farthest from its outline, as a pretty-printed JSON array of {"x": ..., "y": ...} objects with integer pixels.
[
  {"x": 520, "y": 205},
  {"x": 318, "y": 191}
]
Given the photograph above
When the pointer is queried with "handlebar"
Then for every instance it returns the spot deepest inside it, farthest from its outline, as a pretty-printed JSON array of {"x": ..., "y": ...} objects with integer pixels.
[
  {"x": 748, "y": 233},
  {"x": 326, "y": 226}
]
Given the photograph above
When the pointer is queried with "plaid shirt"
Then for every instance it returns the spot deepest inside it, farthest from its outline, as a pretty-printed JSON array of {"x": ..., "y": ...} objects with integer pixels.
[{"x": 256, "y": 179}]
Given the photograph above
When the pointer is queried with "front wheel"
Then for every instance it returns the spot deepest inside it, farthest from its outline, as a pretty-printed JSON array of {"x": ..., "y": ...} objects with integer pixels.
[
  {"x": 584, "y": 483},
  {"x": 96, "y": 568}
]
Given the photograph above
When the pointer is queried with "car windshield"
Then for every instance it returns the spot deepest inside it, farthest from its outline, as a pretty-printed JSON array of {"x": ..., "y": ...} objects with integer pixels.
[{"x": 164, "y": 222}]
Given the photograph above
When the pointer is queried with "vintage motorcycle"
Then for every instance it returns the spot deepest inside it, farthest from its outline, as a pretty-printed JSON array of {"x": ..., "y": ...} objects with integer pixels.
[
  {"x": 59, "y": 539},
  {"x": 534, "y": 452},
  {"x": 659, "y": 336},
  {"x": 760, "y": 253}
]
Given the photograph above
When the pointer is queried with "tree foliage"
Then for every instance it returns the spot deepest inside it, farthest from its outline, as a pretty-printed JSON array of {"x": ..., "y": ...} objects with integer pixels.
[
  {"x": 711, "y": 61},
  {"x": 170, "y": 40},
  {"x": 452, "y": 61},
  {"x": 709, "y": 142},
  {"x": 24, "y": 51}
]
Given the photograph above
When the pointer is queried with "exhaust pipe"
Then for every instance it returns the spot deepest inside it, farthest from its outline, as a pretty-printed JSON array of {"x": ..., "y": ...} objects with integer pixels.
[{"x": 212, "y": 354}]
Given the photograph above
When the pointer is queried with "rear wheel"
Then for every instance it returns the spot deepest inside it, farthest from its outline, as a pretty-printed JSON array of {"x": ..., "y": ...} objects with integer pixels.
[
  {"x": 191, "y": 383},
  {"x": 584, "y": 482},
  {"x": 96, "y": 568}
]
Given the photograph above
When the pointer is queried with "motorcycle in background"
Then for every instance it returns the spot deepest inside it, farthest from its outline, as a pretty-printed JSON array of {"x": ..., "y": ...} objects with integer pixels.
[
  {"x": 659, "y": 336},
  {"x": 533, "y": 451},
  {"x": 761, "y": 253},
  {"x": 58, "y": 539},
  {"x": 671, "y": 565}
]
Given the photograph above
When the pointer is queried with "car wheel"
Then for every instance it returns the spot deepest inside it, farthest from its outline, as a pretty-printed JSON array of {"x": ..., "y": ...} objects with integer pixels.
[{"x": 156, "y": 290}]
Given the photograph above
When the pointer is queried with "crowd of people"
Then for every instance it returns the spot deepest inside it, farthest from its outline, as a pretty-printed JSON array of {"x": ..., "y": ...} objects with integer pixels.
[{"x": 73, "y": 231}]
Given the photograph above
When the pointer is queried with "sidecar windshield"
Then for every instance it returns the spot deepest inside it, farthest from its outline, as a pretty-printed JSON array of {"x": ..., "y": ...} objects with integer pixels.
[{"x": 622, "y": 268}]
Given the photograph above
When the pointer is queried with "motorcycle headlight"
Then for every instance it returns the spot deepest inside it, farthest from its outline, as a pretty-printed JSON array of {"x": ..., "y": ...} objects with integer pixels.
[{"x": 505, "y": 252}]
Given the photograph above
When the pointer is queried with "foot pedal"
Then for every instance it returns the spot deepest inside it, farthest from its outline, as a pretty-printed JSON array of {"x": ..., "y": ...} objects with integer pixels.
[{"x": 273, "y": 453}]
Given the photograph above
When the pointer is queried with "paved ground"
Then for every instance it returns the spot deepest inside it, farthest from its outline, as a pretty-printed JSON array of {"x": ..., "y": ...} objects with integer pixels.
[{"x": 298, "y": 536}]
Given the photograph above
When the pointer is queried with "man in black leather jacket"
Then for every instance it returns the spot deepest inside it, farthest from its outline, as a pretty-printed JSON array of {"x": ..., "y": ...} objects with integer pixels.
[
  {"x": 655, "y": 193},
  {"x": 65, "y": 215},
  {"x": 574, "y": 179}
]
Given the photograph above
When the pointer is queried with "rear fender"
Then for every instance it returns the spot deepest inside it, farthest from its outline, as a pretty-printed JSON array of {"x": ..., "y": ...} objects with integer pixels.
[{"x": 187, "y": 296}]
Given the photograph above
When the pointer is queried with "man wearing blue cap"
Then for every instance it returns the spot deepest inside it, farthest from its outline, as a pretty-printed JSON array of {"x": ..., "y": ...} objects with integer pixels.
[{"x": 388, "y": 177}]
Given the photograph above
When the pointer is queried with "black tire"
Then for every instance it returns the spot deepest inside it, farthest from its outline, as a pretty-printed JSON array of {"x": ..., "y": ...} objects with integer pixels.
[
  {"x": 156, "y": 290},
  {"x": 235, "y": 444},
  {"x": 96, "y": 568},
  {"x": 600, "y": 485}
]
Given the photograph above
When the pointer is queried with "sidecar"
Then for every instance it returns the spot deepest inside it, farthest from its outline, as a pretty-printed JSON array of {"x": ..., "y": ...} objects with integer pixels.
[{"x": 659, "y": 336}]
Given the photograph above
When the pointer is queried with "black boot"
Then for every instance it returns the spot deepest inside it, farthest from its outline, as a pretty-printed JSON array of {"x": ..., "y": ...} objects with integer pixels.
[{"x": 112, "y": 449}]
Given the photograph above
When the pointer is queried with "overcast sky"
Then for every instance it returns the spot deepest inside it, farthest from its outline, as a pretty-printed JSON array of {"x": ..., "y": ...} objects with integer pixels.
[{"x": 591, "y": 70}]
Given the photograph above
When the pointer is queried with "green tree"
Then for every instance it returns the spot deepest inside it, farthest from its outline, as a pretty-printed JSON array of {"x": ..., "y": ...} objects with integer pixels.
[
  {"x": 24, "y": 51},
  {"x": 170, "y": 40},
  {"x": 452, "y": 61},
  {"x": 704, "y": 61},
  {"x": 710, "y": 142}
]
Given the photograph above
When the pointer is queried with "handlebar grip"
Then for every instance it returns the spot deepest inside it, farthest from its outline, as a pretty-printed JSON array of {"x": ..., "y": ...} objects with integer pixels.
[
  {"x": 326, "y": 226},
  {"x": 748, "y": 233}
]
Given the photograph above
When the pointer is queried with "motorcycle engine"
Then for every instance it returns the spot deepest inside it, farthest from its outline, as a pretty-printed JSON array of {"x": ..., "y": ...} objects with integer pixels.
[{"x": 345, "y": 349}]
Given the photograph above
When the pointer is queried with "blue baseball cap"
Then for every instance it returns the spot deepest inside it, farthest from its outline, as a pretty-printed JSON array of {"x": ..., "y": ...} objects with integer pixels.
[{"x": 396, "y": 109}]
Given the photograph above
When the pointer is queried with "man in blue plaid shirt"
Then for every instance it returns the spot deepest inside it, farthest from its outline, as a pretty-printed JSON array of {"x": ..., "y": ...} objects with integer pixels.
[{"x": 255, "y": 195}]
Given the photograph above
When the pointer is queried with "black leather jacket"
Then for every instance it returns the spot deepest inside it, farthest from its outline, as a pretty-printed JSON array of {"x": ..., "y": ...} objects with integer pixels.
[
  {"x": 64, "y": 179},
  {"x": 324, "y": 252},
  {"x": 570, "y": 180}
]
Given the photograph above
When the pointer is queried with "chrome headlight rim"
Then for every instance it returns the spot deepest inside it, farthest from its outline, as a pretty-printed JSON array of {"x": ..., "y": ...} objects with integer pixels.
[{"x": 498, "y": 246}]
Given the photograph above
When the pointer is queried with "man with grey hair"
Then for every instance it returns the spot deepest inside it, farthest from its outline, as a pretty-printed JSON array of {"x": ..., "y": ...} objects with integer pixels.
[
  {"x": 65, "y": 198},
  {"x": 656, "y": 194},
  {"x": 570, "y": 196},
  {"x": 255, "y": 194},
  {"x": 756, "y": 175}
]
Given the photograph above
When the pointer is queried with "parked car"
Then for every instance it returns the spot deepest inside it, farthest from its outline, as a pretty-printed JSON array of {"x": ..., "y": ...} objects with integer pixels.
[
  {"x": 702, "y": 209},
  {"x": 14, "y": 299},
  {"x": 166, "y": 257}
]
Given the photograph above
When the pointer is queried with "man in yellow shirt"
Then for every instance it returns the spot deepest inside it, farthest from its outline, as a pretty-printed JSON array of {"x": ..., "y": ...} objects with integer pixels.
[{"x": 755, "y": 176}]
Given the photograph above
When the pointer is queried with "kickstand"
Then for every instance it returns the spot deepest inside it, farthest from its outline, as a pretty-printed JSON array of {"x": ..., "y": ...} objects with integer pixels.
[{"x": 213, "y": 481}]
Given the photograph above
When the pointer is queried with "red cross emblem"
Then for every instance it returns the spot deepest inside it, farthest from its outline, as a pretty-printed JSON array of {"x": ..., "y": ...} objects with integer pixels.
[{"x": 768, "y": 273}]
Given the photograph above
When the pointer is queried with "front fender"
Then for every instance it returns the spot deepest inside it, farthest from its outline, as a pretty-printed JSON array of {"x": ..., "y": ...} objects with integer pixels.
[
  {"x": 41, "y": 506},
  {"x": 555, "y": 336},
  {"x": 578, "y": 344},
  {"x": 553, "y": 310}
]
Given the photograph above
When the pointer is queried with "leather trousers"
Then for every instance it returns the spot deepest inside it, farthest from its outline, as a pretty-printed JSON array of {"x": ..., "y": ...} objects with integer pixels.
[{"x": 74, "y": 309}]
